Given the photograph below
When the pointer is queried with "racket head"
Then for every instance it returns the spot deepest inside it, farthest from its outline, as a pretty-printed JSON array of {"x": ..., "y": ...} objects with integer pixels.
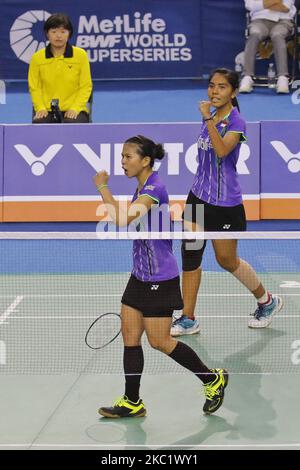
[{"x": 103, "y": 330}]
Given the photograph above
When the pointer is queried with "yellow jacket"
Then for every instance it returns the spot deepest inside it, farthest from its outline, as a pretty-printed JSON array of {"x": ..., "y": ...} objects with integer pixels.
[{"x": 67, "y": 78}]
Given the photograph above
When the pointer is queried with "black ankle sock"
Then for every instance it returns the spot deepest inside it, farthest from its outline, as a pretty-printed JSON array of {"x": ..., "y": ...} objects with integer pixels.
[
  {"x": 133, "y": 361},
  {"x": 186, "y": 357}
]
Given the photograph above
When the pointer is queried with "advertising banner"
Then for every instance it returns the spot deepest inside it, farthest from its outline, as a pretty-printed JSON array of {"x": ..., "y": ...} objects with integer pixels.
[
  {"x": 280, "y": 170},
  {"x": 1, "y": 171},
  {"x": 48, "y": 169},
  {"x": 123, "y": 39},
  {"x": 129, "y": 38}
]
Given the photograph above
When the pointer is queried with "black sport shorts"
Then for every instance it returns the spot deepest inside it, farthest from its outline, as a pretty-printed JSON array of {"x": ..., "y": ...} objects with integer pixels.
[
  {"x": 153, "y": 299},
  {"x": 217, "y": 218}
]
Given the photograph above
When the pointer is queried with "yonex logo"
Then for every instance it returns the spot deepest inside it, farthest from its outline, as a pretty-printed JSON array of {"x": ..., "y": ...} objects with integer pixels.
[
  {"x": 21, "y": 33},
  {"x": 292, "y": 159},
  {"x": 154, "y": 286},
  {"x": 38, "y": 164},
  {"x": 226, "y": 226}
]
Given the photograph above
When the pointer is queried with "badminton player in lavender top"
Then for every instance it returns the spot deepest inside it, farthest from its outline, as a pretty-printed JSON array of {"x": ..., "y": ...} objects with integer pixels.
[
  {"x": 153, "y": 290},
  {"x": 217, "y": 189}
]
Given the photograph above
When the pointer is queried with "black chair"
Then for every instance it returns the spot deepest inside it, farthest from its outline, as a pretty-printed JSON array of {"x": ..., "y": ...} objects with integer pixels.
[
  {"x": 89, "y": 106},
  {"x": 266, "y": 47}
]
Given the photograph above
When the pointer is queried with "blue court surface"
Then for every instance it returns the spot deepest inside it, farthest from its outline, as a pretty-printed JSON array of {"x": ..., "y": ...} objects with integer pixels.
[{"x": 154, "y": 101}]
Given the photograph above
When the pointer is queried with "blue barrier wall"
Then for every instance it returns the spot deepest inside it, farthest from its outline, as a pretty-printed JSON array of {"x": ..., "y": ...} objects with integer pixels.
[{"x": 46, "y": 171}]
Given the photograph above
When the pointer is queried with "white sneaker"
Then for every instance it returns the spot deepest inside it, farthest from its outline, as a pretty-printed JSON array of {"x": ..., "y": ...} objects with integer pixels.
[
  {"x": 246, "y": 85},
  {"x": 282, "y": 85},
  {"x": 263, "y": 315},
  {"x": 184, "y": 326}
]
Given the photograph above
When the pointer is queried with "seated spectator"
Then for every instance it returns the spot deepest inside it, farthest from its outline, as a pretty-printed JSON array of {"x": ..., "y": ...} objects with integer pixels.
[
  {"x": 274, "y": 19},
  {"x": 60, "y": 72}
]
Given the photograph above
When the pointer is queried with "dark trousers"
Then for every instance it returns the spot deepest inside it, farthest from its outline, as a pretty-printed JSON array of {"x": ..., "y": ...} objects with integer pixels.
[{"x": 82, "y": 117}]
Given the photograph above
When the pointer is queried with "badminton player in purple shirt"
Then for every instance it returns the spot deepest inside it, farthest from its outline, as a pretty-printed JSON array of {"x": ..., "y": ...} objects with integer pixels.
[
  {"x": 216, "y": 187},
  {"x": 153, "y": 290}
]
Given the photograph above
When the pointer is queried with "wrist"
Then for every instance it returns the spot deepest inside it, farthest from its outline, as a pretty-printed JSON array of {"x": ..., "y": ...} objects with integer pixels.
[
  {"x": 208, "y": 118},
  {"x": 101, "y": 186}
]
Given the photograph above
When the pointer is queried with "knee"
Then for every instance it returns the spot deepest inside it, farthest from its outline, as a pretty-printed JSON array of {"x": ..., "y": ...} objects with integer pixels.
[
  {"x": 191, "y": 259},
  {"x": 158, "y": 344},
  {"x": 130, "y": 338},
  {"x": 256, "y": 35},
  {"x": 227, "y": 262},
  {"x": 278, "y": 38}
]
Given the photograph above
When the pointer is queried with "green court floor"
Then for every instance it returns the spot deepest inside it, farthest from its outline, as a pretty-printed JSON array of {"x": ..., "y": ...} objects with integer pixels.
[{"x": 52, "y": 384}]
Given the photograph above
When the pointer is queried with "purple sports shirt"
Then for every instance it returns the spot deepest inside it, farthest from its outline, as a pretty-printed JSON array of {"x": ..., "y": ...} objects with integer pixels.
[
  {"x": 153, "y": 260},
  {"x": 216, "y": 180}
]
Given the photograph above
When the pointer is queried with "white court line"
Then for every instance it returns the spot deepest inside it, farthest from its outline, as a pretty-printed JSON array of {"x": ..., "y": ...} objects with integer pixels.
[
  {"x": 121, "y": 293},
  {"x": 11, "y": 308}
]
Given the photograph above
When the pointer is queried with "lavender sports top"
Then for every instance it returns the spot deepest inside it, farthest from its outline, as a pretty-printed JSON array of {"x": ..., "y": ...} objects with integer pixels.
[
  {"x": 153, "y": 260},
  {"x": 216, "y": 180}
]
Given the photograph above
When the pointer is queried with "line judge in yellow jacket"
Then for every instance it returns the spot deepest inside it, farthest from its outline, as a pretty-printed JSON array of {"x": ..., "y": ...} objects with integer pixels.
[{"x": 60, "y": 71}]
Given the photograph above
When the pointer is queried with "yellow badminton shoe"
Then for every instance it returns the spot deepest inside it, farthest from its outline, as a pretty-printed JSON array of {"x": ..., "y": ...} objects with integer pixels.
[
  {"x": 214, "y": 391},
  {"x": 124, "y": 408}
]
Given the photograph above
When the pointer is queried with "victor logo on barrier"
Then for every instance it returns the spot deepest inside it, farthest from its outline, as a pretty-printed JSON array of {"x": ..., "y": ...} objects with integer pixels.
[
  {"x": 292, "y": 159},
  {"x": 38, "y": 164},
  {"x": 110, "y": 154},
  {"x": 22, "y": 34}
]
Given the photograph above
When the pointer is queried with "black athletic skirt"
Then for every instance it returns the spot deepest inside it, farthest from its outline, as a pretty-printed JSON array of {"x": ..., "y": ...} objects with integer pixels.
[
  {"x": 217, "y": 218},
  {"x": 153, "y": 299}
]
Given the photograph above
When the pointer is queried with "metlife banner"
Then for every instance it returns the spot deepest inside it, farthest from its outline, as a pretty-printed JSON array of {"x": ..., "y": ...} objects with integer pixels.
[{"x": 128, "y": 38}]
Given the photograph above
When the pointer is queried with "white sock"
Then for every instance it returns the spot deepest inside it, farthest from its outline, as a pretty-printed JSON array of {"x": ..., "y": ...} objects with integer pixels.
[{"x": 265, "y": 299}]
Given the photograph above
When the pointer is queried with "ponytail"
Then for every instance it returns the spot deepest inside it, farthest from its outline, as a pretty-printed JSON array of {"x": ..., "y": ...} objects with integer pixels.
[
  {"x": 235, "y": 103},
  {"x": 147, "y": 148}
]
